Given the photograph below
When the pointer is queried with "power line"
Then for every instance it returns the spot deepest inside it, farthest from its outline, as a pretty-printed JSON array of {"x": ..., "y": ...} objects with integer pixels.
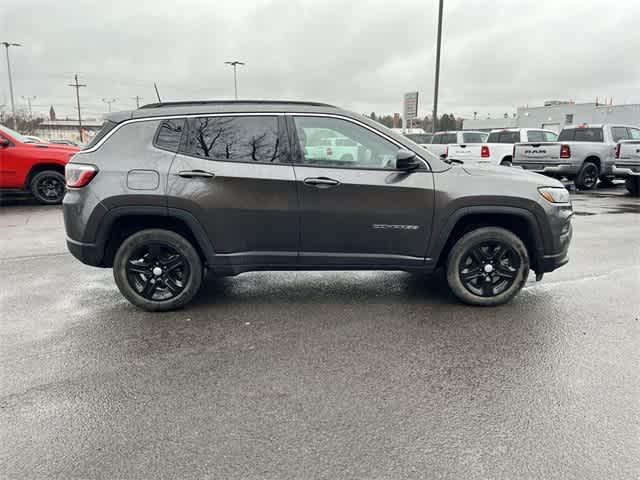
[{"x": 77, "y": 86}]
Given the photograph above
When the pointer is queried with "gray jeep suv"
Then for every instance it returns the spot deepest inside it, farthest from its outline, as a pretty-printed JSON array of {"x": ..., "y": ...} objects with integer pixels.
[{"x": 170, "y": 191}]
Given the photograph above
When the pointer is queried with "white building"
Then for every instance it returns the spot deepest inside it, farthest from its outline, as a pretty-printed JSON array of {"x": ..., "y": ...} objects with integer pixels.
[
  {"x": 68, "y": 130},
  {"x": 555, "y": 115}
]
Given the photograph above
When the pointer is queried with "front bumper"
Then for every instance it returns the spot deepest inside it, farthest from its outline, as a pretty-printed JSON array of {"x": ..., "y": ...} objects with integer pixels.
[{"x": 559, "y": 255}]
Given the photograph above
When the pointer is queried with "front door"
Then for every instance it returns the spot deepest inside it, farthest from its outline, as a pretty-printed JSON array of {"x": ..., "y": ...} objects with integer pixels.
[
  {"x": 356, "y": 208},
  {"x": 234, "y": 173}
]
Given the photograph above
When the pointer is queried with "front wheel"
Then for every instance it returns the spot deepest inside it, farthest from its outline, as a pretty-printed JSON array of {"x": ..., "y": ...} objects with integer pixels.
[
  {"x": 487, "y": 266},
  {"x": 48, "y": 187},
  {"x": 157, "y": 270}
]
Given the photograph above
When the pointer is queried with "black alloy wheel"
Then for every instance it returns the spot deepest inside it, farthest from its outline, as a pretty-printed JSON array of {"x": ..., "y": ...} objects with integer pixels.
[
  {"x": 48, "y": 187},
  {"x": 157, "y": 271},
  {"x": 489, "y": 268}
]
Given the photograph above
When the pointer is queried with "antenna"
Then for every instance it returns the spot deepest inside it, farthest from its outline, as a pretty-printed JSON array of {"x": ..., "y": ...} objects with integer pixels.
[{"x": 157, "y": 94}]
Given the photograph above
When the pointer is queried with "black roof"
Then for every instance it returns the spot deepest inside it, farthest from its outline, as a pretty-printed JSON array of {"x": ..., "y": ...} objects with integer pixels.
[{"x": 189, "y": 103}]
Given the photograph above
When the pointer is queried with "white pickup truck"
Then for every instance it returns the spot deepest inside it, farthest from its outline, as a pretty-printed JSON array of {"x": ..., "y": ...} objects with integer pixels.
[
  {"x": 441, "y": 141},
  {"x": 627, "y": 164},
  {"x": 583, "y": 153},
  {"x": 498, "y": 149}
]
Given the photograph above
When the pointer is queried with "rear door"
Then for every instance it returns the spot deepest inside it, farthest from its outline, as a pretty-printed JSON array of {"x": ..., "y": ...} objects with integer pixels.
[
  {"x": 362, "y": 212},
  {"x": 234, "y": 173}
]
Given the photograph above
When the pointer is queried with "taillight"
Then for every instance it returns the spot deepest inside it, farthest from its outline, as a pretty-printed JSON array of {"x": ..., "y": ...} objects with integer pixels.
[
  {"x": 565, "y": 151},
  {"x": 484, "y": 151},
  {"x": 446, "y": 151},
  {"x": 618, "y": 151},
  {"x": 79, "y": 175},
  {"x": 513, "y": 152}
]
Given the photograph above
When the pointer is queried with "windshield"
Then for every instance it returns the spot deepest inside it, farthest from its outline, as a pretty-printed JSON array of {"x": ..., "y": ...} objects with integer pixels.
[
  {"x": 419, "y": 137},
  {"x": 16, "y": 136},
  {"x": 581, "y": 134}
]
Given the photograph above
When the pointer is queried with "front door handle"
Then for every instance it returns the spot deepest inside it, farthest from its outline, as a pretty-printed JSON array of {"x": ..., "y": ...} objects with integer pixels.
[
  {"x": 195, "y": 173},
  {"x": 321, "y": 182}
]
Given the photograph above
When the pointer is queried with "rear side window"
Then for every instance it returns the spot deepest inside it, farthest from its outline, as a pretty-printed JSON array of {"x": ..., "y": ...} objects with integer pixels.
[
  {"x": 169, "y": 134},
  {"x": 619, "y": 133},
  {"x": 504, "y": 137},
  {"x": 550, "y": 136},
  {"x": 581, "y": 135},
  {"x": 234, "y": 139},
  {"x": 107, "y": 126},
  {"x": 473, "y": 137}
]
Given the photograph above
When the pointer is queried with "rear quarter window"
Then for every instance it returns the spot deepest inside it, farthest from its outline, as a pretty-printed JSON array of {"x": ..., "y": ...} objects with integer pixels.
[{"x": 169, "y": 134}]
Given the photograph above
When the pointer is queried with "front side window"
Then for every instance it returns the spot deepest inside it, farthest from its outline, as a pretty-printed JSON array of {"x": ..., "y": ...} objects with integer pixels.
[
  {"x": 635, "y": 133},
  {"x": 169, "y": 134},
  {"x": 234, "y": 139},
  {"x": 351, "y": 145},
  {"x": 550, "y": 137}
]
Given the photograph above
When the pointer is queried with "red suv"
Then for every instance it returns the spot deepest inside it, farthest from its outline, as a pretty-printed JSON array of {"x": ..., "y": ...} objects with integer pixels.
[{"x": 33, "y": 166}]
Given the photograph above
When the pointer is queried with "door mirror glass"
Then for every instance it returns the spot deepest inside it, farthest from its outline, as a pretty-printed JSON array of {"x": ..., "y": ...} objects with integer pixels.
[
  {"x": 406, "y": 160},
  {"x": 4, "y": 142}
]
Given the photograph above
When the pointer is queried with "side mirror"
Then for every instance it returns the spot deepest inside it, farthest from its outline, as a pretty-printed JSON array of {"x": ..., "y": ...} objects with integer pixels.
[
  {"x": 4, "y": 142},
  {"x": 406, "y": 160}
]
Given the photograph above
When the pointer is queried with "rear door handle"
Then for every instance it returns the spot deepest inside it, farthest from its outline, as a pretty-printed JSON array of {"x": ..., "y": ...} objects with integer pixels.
[
  {"x": 195, "y": 173},
  {"x": 321, "y": 182}
]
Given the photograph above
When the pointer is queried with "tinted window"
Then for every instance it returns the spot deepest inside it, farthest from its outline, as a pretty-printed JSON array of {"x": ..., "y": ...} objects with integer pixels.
[
  {"x": 535, "y": 136},
  {"x": 504, "y": 137},
  {"x": 473, "y": 137},
  {"x": 581, "y": 135},
  {"x": 366, "y": 149},
  {"x": 234, "y": 139},
  {"x": 448, "y": 138},
  {"x": 107, "y": 126},
  {"x": 619, "y": 133},
  {"x": 169, "y": 134},
  {"x": 635, "y": 133}
]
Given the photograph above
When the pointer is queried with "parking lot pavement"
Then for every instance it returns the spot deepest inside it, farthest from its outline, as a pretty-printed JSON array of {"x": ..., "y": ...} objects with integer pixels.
[{"x": 322, "y": 375}]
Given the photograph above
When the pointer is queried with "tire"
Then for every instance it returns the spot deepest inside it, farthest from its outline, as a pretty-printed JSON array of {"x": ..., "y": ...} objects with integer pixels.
[
  {"x": 473, "y": 253},
  {"x": 48, "y": 187},
  {"x": 157, "y": 270},
  {"x": 587, "y": 178},
  {"x": 506, "y": 162},
  {"x": 632, "y": 183}
]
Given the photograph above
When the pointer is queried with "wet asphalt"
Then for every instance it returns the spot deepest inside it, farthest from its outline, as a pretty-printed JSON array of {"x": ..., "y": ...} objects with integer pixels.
[{"x": 366, "y": 375}]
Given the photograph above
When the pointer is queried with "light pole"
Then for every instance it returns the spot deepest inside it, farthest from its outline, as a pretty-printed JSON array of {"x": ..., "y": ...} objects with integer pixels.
[
  {"x": 235, "y": 64},
  {"x": 109, "y": 102},
  {"x": 28, "y": 99},
  {"x": 13, "y": 105},
  {"x": 435, "y": 89}
]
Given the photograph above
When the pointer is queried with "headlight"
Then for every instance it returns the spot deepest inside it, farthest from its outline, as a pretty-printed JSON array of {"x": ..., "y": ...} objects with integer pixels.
[{"x": 555, "y": 194}]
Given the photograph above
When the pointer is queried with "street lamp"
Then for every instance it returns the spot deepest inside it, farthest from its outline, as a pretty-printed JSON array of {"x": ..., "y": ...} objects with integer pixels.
[
  {"x": 109, "y": 102},
  {"x": 235, "y": 64},
  {"x": 13, "y": 105}
]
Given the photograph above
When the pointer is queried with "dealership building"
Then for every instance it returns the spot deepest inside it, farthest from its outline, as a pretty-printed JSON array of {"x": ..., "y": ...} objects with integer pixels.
[{"x": 554, "y": 115}]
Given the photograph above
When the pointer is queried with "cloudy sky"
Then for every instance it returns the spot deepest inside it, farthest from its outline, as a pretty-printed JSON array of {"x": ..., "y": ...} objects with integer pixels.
[{"x": 362, "y": 55}]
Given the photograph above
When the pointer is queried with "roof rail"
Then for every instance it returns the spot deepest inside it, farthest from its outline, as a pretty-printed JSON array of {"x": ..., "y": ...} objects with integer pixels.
[{"x": 188, "y": 103}]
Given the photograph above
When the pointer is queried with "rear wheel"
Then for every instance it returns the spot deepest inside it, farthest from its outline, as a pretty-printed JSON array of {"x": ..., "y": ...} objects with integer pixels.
[
  {"x": 587, "y": 177},
  {"x": 633, "y": 185},
  {"x": 48, "y": 187},
  {"x": 506, "y": 162},
  {"x": 157, "y": 270},
  {"x": 487, "y": 266}
]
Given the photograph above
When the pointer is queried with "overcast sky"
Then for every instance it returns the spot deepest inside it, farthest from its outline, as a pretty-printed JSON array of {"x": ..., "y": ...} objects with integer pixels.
[{"x": 362, "y": 55}]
